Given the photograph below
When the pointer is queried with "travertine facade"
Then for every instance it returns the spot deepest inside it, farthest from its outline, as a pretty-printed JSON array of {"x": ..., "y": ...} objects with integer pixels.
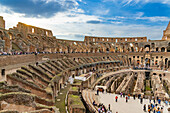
[{"x": 27, "y": 38}]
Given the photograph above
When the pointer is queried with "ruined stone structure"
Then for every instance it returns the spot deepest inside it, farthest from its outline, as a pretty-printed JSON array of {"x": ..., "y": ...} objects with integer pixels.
[
  {"x": 27, "y": 38},
  {"x": 121, "y": 64}
]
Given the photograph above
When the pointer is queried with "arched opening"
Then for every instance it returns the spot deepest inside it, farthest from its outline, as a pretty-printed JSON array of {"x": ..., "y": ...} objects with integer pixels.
[
  {"x": 132, "y": 49},
  {"x": 29, "y": 37},
  {"x": 147, "y": 62},
  {"x": 130, "y": 60},
  {"x": 168, "y": 48},
  {"x": 147, "y": 48},
  {"x": 10, "y": 36},
  {"x": 60, "y": 86},
  {"x": 152, "y": 45},
  {"x": 36, "y": 39},
  {"x": 162, "y": 49},
  {"x": 19, "y": 36},
  {"x": 91, "y": 50},
  {"x": 107, "y": 49},
  {"x": 1, "y": 35},
  {"x": 156, "y": 62},
  {"x": 136, "y": 49},
  {"x": 157, "y": 49},
  {"x": 166, "y": 61}
]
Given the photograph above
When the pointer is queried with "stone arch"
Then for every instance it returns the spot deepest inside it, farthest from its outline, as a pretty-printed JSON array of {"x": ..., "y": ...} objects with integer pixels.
[
  {"x": 107, "y": 49},
  {"x": 19, "y": 36},
  {"x": 36, "y": 39},
  {"x": 10, "y": 36},
  {"x": 156, "y": 62},
  {"x": 147, "y": 62},
  {"x": 168, "y": 47},
  {"x": 157, "y": 49},
  {"x": 166, "y": 61},
  {"x": 162, "y": 49},
  {"x": 1, "y": 35},
  {"x": 152, "y": 45},
  {"x": 130, "y": 60},
  {"x": 147, "y": 48},
  {"x": 138, "y": 62},
  {"x": 136, "y": 47},
  {"x": 29, "y": 37}
]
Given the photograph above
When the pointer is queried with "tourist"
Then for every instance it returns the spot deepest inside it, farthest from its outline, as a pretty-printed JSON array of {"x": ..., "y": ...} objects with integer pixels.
[
  {"x": 166, "y": 102},
  {"x": 94, "y": 103},
  {"x": 134, "y": 97},
  {"x": 99, "y": 109},
  {"x": 144, "y": 107},
  {"x": 109, "y": 107},
  {"x": 104, "y": 108},
  {"x": 102, "y": 90},
  {"x": 153, "y": 98},
  {"x": 153, "y": 106},
  {"x": 123, "y": 94},
  {"x": 128, "y": 96},
  {"x": 149, "y": 110},
  {"x": 97, "y": 92},
  {"x": 126, "y": 99},
  {"x": 116, "y": 98},
  {"x": 158, "y": 111},
  {"x": 150, "y": 99},
  {"x": 139, "y": 95},
  {"x": 154, "y": 110},
  {"x": 159, "y": 101},
  {"x": 141, "y": 100},
  {"x": 161, "y": 110}
]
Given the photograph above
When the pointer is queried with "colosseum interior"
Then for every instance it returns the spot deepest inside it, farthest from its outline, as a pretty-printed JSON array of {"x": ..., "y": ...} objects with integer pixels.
[{"x": 42, "y": 74}]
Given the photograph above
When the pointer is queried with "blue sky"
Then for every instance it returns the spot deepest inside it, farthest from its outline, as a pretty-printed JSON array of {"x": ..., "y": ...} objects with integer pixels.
[{"x": 74, "y": 19}]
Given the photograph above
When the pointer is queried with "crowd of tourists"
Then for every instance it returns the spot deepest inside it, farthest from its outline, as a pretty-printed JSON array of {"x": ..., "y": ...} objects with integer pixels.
[
  {"x": 25, "y": 53},
  {"x": 102, "y": 108},
  {"x": 155, "y": 104}
]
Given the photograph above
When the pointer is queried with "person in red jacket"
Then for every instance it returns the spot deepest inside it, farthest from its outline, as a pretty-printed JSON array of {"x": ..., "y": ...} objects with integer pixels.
[
  {"x": 126, "y": 99},
  {"x": 116, "y": 98}
]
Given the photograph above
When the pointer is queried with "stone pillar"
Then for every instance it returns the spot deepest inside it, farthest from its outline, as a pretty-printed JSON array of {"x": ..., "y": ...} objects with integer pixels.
[{"x": 2, "y": 22}]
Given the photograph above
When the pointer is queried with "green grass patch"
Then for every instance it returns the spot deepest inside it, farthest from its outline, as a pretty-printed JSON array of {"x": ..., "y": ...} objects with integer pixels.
[{"x": 61, "y": 103}]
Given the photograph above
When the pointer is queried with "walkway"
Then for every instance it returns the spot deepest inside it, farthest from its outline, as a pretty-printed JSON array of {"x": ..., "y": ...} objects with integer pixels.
[{"x": 133, "y": 106}]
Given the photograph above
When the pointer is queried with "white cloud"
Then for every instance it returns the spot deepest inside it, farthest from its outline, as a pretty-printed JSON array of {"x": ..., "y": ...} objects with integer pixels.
[
  {"x": 129, "y": 2},
  {"x": 101, "y": 11},
  {"x": 68, "y": 27},
  {"x": 155, "y": 18}
]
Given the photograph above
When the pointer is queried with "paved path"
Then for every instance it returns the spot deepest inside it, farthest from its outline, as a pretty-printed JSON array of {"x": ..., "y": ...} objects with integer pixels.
[{"x": 133, "y": 106}]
